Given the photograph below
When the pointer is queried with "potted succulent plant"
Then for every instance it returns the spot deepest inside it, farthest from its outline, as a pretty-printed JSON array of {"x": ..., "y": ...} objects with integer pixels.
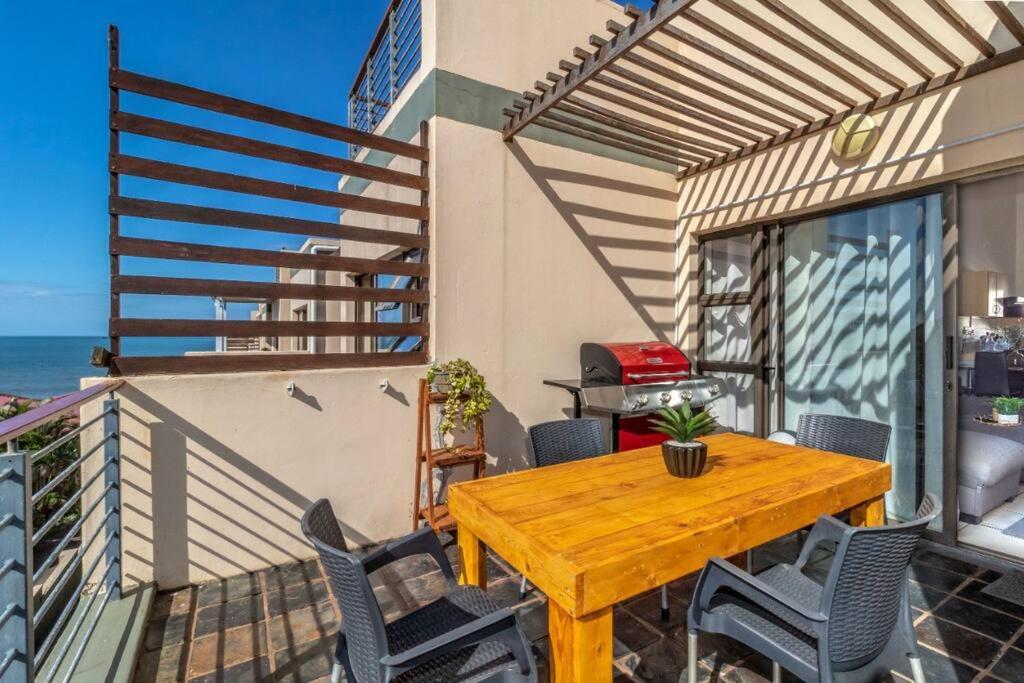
[
  {"x": 1007, "y": 409},
  {"x": 684, "y": 455}
]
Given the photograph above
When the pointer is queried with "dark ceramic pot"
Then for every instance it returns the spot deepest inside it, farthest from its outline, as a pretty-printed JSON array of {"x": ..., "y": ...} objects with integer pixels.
[{"x": 684, "y": 459}]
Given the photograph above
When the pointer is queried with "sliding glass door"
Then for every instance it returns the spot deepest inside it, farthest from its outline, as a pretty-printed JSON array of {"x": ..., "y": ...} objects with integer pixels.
[{"x": 862, "y": 329}]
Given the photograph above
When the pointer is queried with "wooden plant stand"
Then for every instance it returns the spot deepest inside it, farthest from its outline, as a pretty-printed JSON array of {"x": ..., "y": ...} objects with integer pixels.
[{"x": 471, "y": 454}]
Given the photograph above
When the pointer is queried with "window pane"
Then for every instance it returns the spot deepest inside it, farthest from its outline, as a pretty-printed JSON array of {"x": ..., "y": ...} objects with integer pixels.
[
  {"x": 727, "y": 265},
  {"x": 734, "y": 407},
  {"x": 727, "y": 333}
]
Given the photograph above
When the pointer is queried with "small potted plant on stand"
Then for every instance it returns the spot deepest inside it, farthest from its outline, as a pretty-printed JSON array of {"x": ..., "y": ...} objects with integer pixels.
[
  {"x": 684, "y": 455},
  {"x": 1007, "y": 409},
  {"x": 467, "y": 396}
]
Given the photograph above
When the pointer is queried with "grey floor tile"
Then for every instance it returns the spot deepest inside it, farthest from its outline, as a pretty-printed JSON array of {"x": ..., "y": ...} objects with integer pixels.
[
  {"x": 935, "y": 577},
  {"x": 995, "y": 624},
  {"x": 227, "y": 615},
  {"x": 974, "y": 591},
  {"x": 1010, "y": 666},
  {"x": 296, "y": 597},
  {"x": 949, "y": 638},
  {"x": 231, "y": 588},
  {"x": 280, "y": 577}
]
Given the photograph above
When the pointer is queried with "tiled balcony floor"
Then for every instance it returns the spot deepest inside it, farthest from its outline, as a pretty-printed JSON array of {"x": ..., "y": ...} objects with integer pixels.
[{"x": 279, "y": 625}]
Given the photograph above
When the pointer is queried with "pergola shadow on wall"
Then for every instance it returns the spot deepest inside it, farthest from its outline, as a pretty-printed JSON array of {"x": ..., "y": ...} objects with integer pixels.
[
  {"x": 406, "y": 209},
  {"x": 700, "y": 84}
]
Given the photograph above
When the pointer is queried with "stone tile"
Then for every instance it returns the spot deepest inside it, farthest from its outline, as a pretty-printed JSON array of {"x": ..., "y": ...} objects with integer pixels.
[
  {"x": 225, "y": 615},
  {"x": 252, "y": 671},
  {"x": 223, "y": 650},
  {"x": 648, "y": 608},
  {"x": 943, "y": 562},
  {"x": 394, "y": 600},
  {"x": 1010, "y": 666},
  {"x": 162, "y": 666},
  {"x": 973, "y": 592},
  {"x": 935, "y": 577},
  {"x": 405, "y": 569},
  {"x": 170, "y": 630},
  {"x": 231, "y": 588},
  {"x": 505, "y": 592},
  {"x": 924, "y": 598},
  {"x": 631, "y": 632},
  {"x": 991, "y": 623},
  {"x": 303, "y": 625},
  {"x": 533, "y": 616},
  {"x": 662, "y": 662},
  {"x": 988, "y": 576},
  {"x": 949, "y": 638},
  {"x": 167, "y": 603},
  {"x": 717, "y": 651},
  {"x": 305, "y": 662},
  {"x": 939, "y": 669},
  {"x": 286, "y": 575},
  {"x": 296, "y": 597}
]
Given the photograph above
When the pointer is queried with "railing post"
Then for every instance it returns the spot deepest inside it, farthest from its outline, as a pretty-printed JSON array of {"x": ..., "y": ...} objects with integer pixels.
[
  {"x": 112, "y": 456},
  {"x": 17, "y": 643}
]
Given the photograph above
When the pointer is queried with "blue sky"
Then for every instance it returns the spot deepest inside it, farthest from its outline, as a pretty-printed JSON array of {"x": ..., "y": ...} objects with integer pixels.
[{"x": 54, "y": 270}]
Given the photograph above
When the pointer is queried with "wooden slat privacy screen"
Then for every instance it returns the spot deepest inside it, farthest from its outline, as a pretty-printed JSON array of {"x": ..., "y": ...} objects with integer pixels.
[{"x": 141, "y": 208}]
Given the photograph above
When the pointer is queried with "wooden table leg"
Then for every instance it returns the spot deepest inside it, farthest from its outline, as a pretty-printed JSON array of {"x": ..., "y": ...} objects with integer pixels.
[
  {"x": 869, "y": 513},
  {"x": 472, "y": 559},
  {"x": 581, "y": 648}
]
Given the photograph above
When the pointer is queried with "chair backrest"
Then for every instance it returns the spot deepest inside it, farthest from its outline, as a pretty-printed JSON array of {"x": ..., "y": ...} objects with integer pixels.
[
  {"x": 364, "y": 624},
  {"x": 991, "y": 376},
  {"x": 846, "y": 435},
  {"x": 567, "y": 440},
  {"x": 865, "y": 586}
]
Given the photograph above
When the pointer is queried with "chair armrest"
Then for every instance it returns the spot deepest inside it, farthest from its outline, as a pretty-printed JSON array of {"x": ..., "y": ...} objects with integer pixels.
[
  {"x": 500, "y": 625},
  {"x": 825, "y": 530},
  {"x": 783, "y": 436},
  {"x": 422, "y": 542},
  {"x": 719, "y": 574}
]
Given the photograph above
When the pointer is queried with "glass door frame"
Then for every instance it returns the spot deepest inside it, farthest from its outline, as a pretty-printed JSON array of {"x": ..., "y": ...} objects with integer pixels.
[{"x": 765, "y": 298}]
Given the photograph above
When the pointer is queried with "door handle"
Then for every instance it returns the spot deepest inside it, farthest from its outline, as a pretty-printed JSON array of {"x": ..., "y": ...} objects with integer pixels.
[{"x": 948, "y": 386}]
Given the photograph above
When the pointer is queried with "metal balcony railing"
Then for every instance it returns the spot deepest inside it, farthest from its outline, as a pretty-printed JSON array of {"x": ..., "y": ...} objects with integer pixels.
[
  {"x": 390, "y": 63},
  {"x": 83, "y": 529}
]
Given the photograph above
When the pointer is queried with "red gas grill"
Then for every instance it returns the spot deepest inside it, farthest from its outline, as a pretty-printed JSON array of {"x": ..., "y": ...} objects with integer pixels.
[{"x": 630, "y": 381}]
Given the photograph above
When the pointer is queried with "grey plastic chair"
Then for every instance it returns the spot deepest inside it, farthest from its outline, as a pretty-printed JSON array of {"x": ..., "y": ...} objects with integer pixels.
[
  {"x": 847, "y": 435},
  {"x": 462, "y": 636},
  {"x": 852, "y": 628}
]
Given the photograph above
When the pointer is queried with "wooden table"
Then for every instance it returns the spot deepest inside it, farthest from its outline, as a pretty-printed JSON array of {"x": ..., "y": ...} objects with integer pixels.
[{"x": 593, "y": 533}]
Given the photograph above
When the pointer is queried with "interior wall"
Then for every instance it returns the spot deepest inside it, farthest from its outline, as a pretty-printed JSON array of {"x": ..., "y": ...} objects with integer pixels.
[{"x": 992, "y": 228}]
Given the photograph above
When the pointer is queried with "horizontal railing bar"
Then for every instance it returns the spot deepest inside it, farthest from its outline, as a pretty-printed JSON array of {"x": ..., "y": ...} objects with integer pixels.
[
  {"x": 7, "y": 474},
  {"x": 54, "y": 445},
  {"x": 75, "y": 528},
  {"x": 139, "y": 327},
  {"x": 67, "y": 471},
  {"x": 190, "y": 251},
  {"x": 6, "y": 567},
  {"x": 8, "y": 659},
  {"x": 62, "y": 618},
  {"x": 229, "y": 182},
  {"x": 184, "y": 213},
  {"x": 268, "y": 361},
  {"x": 69, "y": 569},
  {"x": 13, "y": 427},
  {"x": 201, "y": 137},
  {"x": 63, "y": 510},
  {"x": 6, "y": 519},
  {"x": 6, "y": 614},
  {"x": 183, "y": 94},
  {"x": 171, "y": 286}
]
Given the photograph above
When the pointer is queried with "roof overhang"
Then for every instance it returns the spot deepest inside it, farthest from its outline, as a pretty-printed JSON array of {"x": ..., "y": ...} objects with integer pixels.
[{"x": 701, "y": 83}]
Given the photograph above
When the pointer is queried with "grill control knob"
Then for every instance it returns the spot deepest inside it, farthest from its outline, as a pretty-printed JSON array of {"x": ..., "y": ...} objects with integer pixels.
[
  {"x": 641, "y": 401},
  {"x": 713, "y": 389},
  {"x": 687, "y": 395},
  {"x": 666, "y": 397}
]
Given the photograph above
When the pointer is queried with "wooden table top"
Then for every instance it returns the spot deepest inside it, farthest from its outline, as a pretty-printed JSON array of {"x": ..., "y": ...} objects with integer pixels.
[{"x": 592, "y": 533}]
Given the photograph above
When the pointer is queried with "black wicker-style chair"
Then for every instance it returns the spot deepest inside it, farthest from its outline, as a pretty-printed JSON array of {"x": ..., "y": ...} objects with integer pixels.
[
  {"x": 847, "y": 435},
  {"x": 854, "y": 627},
  {"x": 991, "y": 374},
  {"x": 563, "y": 441},
  {"x": 462, "y": 636}
]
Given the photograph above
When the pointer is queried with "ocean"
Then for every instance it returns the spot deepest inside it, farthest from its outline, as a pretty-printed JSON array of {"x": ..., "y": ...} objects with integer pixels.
[{"x": 41, "y": 367}]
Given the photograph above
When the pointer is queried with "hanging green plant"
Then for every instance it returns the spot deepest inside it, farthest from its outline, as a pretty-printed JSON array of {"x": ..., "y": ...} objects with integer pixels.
[{"x": 467, "y": 393}]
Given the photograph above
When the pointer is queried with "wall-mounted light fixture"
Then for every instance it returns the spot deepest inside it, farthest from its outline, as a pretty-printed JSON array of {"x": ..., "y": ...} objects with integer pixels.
[{"x": 855, "y": 137}]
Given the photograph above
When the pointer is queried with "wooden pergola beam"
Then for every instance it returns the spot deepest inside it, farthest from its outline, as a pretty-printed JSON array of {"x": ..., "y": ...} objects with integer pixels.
[
  {"x": 951, "y": 17},
  {"x": 881, "y": 37},
  {"x": 644, "y": 26},
  {"x": 1007, "y": 19},
  {"x": 902, "y": 19}
]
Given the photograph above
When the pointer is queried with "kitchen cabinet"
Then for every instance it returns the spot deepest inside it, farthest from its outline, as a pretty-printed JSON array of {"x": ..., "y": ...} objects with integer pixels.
[{"x": 980, "y": 291}]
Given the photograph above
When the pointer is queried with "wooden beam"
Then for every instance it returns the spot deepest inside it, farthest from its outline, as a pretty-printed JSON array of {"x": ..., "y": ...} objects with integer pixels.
[
  {"x": 880, "y": 37},
  {"x": 257, "y": 291},
  {"x": 659, "y": 15},
  {"x": 892, "y": 10},
  {"x": 143, "y": 327},
  {"x": 764, "y": 55},
  {"x": 202, "y": 215},
  {"x": 200, "y": 177},
  {"x": 653, "y": 113},
  {"x": 951, "y": 17},
  {"x": 815, "y": 57},
  {"x": 1007, "y": 19},
  {"x": 714, "y": 77},
  {"x": 190, "y": 135},
  {"x": 1002, "y": 59},
  {"x": 562, "y": 124},
  {"x": 260, "y": 361},
  {"x": 794, "y": 17},
  {"x": 183, "y": 94},
  {"x": 187, "y": 251}
]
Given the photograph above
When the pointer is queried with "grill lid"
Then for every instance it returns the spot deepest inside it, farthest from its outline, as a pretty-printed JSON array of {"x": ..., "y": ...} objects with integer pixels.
[{"x": 631, "y": 363}]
